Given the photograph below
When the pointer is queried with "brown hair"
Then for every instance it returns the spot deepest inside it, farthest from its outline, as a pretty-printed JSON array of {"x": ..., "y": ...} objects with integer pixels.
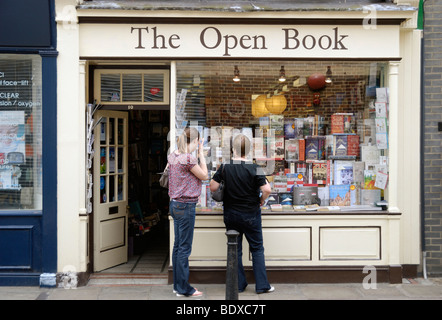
[
  {"x": 188, "y": 135},
  {"x": 241, "y": 145}
]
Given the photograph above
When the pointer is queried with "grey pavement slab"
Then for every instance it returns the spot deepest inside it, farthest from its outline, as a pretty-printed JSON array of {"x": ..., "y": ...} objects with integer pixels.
[{"x": 158, "y": 289}]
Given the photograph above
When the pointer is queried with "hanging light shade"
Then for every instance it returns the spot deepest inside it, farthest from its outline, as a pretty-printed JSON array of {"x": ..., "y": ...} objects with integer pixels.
[
  {"x": 276, "y": 104},
  {"x": 259, "y": 106}
]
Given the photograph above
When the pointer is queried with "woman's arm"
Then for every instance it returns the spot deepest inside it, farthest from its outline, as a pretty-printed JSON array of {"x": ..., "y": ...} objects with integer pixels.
[{"x": 200, "y": 171}]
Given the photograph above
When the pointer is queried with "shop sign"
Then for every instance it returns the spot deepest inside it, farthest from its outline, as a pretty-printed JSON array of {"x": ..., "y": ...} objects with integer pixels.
[{"x": 239, "y": 41}]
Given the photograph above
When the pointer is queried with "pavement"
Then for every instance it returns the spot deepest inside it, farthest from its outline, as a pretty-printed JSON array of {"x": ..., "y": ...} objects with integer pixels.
[{"x": 156, "y": 288}]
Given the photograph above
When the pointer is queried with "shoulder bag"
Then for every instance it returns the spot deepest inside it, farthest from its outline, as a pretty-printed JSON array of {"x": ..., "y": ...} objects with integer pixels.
[{"x": 164, "y": 179}]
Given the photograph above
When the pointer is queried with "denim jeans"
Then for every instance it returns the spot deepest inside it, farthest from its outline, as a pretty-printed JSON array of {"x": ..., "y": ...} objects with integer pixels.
[
  {"x": 249, "y": 224},
  {"x": 183, "y": 215}
]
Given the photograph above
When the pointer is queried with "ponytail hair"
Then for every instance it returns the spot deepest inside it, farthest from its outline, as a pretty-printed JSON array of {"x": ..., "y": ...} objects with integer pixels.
[
  {"x": 188, "y": 135},
  {"x": 241, "y": 145}
]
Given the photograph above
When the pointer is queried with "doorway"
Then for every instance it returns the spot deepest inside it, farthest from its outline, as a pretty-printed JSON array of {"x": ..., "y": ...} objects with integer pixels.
[{"x": 147, "y": 231}]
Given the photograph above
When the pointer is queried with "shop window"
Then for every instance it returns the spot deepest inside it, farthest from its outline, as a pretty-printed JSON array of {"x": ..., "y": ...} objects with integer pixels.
[
  {"x": 129, "y": 87},
  {"x": 320, "y": 136},
  {"x": 20, "y": 132}
]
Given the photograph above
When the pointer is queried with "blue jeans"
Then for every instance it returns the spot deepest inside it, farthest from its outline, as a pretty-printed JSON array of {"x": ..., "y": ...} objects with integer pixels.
[
  {"x": 249, "y": 224},
  {"x": 183, "y": 215}
]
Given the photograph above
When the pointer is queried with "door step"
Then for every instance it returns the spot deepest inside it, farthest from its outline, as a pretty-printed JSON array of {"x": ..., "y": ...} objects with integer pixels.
[{"x": 127, "y": 279}]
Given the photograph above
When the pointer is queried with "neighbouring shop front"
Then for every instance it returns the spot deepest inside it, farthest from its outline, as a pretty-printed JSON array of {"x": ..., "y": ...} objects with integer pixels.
[
  {"x": 28, "y": 183},
  {"x": 330, "y": 103}
]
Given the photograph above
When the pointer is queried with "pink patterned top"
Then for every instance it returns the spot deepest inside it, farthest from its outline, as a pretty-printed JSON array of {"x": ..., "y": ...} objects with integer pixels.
[{"x": 183, "y": 185}]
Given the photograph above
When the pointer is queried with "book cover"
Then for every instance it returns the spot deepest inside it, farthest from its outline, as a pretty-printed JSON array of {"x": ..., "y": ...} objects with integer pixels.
[
  {"x": 369, "y": 179},
  {"x": 382, "y": 140},
  {"x": 311, "y": 148},
  {"x": 286, "y": 198},
  {"x": 329, "y": 172},
  {"x": 349, "y": 123},
  {"x": 355, "y": 195},
  {"x": 343, "y": 173},
  {"x": 320, "y": 172},
  {"x": 353, "y": 145},
  {"x": 358, "y": 173},
  {"x": 369, "y": 131},
  {"x": 329, "y": 141},
  {"x": 292, "y": 150},
  {"x": 381, "y": 109},
  {"x": 381, "y": 125},
  {"x": 370, "y": 196},
  {"x": 339, "y": 195},
  {"x": 272, "y": 199},
  {"x": 382, "y": 95},
  {"x": 279, "y": 148},
  {"x": 309, "y": 124},
  {"x": 324, "y": 195},
  {"x": 276, "y": 207},
  {"x": 264, "y": 122},
  {"x": 321, "y": 147},
  {"x": 280, "y": 183},
  {"x": 301, "y": 149},
  {"x": 279, "y": 167},
  {"x": 381, "y": 180},
  {"x": 337, "y": 123},
  {"x": 289, "y": 128},
  {"x": 299, "y": 125},
  {"x": 341, "y": 145},
  {"x": 277, "y": 124},
  {"x": 370, "y": 155},
  {"x": 294, "y": 180}
]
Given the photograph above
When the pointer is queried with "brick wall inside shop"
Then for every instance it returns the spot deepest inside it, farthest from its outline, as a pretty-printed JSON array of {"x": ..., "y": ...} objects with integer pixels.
[
  {"x": 432, "y": 137},
  {"x": 230, "y": 104}
]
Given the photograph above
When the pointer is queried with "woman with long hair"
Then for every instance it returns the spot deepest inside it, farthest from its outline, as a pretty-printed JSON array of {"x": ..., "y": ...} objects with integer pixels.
[{"x": 185, "y": 176}]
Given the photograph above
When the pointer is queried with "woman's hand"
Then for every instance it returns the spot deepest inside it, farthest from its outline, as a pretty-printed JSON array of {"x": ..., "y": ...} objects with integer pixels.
[{"x": 201, "y": 147}]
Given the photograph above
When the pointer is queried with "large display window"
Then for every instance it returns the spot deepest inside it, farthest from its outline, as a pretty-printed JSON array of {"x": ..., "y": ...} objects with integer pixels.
[
  {"x": 20, "y": 132},
  {"x": 319, "y": 130}
]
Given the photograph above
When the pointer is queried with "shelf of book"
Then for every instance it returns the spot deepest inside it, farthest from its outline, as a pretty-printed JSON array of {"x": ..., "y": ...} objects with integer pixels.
[{"x": 342, "y": 159}]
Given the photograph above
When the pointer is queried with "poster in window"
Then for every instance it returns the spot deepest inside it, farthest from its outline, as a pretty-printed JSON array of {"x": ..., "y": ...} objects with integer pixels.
[
  {"x": 12, "y": 137},
  {"x": 12, "y": 148}
]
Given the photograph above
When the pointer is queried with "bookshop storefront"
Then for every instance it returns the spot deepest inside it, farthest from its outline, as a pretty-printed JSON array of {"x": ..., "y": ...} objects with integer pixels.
[{"x": 331, "y": 109}]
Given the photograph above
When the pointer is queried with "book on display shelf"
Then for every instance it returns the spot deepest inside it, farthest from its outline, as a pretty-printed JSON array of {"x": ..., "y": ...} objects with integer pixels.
[
  {"x": 290, "y": 128},
  {"x": 340, "y": 145},
  {"x": 370, "y": 196},
  {"x": 291, "y": 150},
  {"x": 353, "y": 145},
  {"x": 319, "y": 172},
  {"x": 343, "y": 172}
]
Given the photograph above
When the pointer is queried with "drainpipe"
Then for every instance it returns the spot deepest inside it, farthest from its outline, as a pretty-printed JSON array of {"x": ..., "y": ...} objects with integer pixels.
[{"x": 420, "y": 26}]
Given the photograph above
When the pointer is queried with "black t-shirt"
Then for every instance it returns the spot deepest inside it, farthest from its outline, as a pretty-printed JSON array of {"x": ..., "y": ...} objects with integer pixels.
[{"x": 242, "y": 184}]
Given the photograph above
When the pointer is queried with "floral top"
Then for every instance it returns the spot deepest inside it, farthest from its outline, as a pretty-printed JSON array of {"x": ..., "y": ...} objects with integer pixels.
[{"x": 183, "y": 185}]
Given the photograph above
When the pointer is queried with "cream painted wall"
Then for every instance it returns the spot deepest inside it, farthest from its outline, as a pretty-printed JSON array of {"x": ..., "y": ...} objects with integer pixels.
[
  {"x": 409, "y": 145},
  {"x": 71, "y": 141}
]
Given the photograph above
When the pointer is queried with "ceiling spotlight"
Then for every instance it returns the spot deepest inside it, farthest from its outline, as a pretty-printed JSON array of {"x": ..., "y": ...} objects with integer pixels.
[
  {"x": 236, "y": 74},
  {"x": 328, "y": 75},
  {"x": 282, "y": 74}
]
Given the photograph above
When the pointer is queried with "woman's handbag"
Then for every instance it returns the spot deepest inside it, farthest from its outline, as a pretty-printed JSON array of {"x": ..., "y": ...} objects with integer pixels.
[
  {"x": 218, "y": 195},
  {"x": 164, "y": 179}
]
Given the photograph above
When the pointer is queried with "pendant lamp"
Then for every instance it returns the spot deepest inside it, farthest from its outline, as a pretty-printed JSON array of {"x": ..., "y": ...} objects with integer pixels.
[
  {"x": 276, "y": 104},
  {"x": 259, "y": 106}
]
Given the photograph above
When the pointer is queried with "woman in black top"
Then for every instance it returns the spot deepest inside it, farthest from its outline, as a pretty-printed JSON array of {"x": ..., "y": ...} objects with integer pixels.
[{"x": 245, "y": 191}]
